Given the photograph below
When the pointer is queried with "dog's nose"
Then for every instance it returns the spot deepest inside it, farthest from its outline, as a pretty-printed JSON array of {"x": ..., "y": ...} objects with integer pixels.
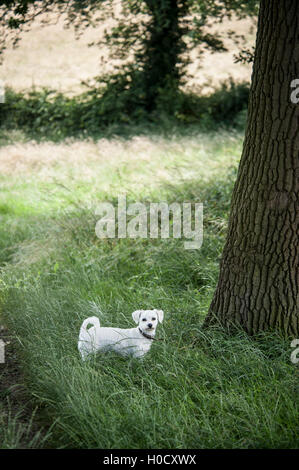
[{"x": 150, "y": 325}]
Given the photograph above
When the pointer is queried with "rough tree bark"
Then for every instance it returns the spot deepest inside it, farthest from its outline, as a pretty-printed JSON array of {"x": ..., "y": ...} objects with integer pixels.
[{"x": 258, "y": 285}]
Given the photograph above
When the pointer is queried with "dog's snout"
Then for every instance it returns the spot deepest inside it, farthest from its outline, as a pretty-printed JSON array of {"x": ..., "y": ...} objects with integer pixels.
[{"x": 150, "y": 325}]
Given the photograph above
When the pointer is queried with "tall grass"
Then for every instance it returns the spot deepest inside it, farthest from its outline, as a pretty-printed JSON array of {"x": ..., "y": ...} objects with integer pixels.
[
  {"x": 196, "y": 388},
  {"x": 17, "y": 430}
]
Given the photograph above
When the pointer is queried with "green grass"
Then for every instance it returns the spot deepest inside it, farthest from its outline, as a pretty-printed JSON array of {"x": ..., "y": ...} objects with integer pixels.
[
  {"x": 196, "y": 388},
  {"x": 16, "y": 430}
]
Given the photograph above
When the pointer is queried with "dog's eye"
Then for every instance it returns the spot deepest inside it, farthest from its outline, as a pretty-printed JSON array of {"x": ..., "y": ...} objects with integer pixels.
[
  {"x": 153, "y": 319},
  {"x": 143, "y": 319}
]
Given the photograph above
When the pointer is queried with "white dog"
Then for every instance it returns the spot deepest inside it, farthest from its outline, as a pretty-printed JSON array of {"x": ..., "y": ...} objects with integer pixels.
[{"x": 132, "y": 341}]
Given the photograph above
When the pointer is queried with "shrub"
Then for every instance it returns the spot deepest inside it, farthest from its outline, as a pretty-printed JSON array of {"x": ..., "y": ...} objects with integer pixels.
[{"x": 112, "y": 100}]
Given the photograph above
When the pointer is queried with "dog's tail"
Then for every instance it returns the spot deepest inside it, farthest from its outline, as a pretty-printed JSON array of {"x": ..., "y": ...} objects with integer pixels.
[
  {"x": 87, "y": 335},
  {"x": 90, "y": 320}
]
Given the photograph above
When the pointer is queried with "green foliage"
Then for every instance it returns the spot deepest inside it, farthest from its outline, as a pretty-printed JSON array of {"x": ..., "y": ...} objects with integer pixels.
[
  {"x": 155, "y": 37},
  {"x": 114, "y": 101},
  {"x": 226, "y": 106}
]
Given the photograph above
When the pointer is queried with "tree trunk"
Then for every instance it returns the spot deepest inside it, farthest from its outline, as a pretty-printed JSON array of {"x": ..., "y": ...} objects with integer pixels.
[
  {"x": 161, "y": 69},
  {"x": 258, "y": 286}
]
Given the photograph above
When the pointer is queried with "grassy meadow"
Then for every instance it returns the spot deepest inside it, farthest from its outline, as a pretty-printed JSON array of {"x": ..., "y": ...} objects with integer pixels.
[{"x": 196, "y": 388}]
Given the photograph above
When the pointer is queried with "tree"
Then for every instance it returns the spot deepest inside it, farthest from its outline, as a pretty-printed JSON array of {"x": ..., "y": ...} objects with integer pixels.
[
  {"x": 258, "y": 284},
  {"x": 153, "y": 35}
]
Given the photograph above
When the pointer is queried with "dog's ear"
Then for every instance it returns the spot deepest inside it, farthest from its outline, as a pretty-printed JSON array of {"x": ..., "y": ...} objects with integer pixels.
[
  {"x": 136, "y": 315},
  {"x": 160, "y": 314}
]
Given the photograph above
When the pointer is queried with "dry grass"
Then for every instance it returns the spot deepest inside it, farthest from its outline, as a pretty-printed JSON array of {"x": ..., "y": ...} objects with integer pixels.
[
  {"x": 135, "y": 160},
  {"x": 50, "y": 56}
]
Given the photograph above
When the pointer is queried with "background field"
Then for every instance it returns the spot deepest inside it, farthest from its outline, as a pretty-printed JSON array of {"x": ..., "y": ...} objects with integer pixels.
[{"x": 50, "y": 56}]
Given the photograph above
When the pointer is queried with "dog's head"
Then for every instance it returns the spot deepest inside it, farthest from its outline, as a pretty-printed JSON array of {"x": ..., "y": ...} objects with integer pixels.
[{"x": 148, "y": 320}]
